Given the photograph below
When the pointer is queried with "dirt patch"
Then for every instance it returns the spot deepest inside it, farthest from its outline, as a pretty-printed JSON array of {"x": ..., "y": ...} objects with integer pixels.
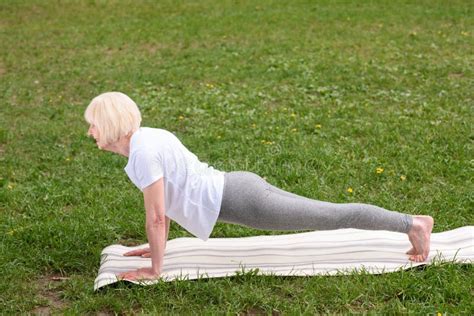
[
  {"x": 150, "y": 48},
  {"x": 255, "y": 311},
  {"x": 456, "y": 75},
  {"x": 49, "y": 289},
  {"x": 153, "y": 48},
  {"x": 130, "y": 242},
  {"x": 42, "y": 311}
]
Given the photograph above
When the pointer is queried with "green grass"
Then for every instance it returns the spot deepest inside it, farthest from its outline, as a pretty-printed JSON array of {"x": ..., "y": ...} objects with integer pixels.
[{"x": 314, "y": 96}]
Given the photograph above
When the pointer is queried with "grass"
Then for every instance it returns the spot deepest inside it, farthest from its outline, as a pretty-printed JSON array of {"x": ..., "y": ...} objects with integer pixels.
[{"x": 314, "y": 96}]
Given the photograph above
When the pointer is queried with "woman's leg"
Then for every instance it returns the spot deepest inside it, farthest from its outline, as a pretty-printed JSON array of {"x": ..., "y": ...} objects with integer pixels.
[{"x": 250, "y": 200}]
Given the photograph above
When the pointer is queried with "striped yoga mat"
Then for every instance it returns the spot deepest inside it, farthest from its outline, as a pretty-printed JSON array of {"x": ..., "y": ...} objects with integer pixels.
[{"x": 310, "y": 253}]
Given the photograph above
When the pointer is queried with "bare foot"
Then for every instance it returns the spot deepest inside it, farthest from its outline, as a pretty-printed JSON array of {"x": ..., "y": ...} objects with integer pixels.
[{"x": 419, "y": 236}]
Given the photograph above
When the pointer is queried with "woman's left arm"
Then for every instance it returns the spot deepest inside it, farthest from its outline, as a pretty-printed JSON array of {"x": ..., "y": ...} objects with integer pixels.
[{"x": 154, "y": 198}]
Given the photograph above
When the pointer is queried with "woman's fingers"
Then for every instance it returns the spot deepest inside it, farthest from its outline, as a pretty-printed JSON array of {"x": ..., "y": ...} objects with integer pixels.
[
  {"x": 129, "y": 275},
  {"x": 142, "y": 273},
  {"x": 137, "y": 252},
  {"x": 131, "y": 253},
  {"x": 123, "y": 275}
]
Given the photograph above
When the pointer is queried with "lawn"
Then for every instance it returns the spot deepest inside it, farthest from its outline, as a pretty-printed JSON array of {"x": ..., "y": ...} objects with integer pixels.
[{"x": 312, "y": 95}]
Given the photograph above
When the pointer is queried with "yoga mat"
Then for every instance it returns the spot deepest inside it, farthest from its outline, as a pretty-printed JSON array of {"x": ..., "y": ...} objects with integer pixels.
[{"x": 331, "y": 252}]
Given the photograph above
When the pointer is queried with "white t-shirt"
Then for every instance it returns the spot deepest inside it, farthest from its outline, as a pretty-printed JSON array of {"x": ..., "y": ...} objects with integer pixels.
[{"x": 193, "y": 190}]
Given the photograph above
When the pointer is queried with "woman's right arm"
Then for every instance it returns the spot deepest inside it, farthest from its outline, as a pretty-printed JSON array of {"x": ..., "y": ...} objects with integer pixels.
[
  {"x": 145, "y": 252},
  {"x": 153, "y": 196},
  {"x": 154, "y": 200}
]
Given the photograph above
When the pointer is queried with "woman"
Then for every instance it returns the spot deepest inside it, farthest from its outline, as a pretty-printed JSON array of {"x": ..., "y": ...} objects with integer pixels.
[{"x": 176, "y": 185}]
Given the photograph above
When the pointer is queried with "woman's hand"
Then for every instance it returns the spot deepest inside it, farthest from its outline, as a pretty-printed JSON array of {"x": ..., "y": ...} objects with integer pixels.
[
  {"x": 139, "y": 274},
  {"x": 144, "y": 253}
]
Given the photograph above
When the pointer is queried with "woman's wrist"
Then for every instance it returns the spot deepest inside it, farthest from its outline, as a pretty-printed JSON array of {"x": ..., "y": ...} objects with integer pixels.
[{"x": 156, "y": 270}]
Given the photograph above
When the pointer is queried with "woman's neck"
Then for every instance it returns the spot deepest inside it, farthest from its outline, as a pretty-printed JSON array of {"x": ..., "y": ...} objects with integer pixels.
[{"x": 121, "y": 147}]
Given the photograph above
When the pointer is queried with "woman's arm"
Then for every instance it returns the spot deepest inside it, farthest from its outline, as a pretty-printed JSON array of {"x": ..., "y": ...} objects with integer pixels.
[
  {"x": 145, "y": 252},
  {"x": 157, "y": 225}
]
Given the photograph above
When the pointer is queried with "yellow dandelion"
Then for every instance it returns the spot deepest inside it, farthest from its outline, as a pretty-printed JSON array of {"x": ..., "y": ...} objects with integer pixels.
[
  {"x": 10, "y": 186},
  {"x": 403, "y": 178},
  {"x": 254, "y": 125},
  {"x": 68, "y": 159},
  {"x": 181, "y": 117},
  {"x": 318, "y": 126},
  {"x": 379, "y": 170},
  {"x": 350, "y": 190},
  {"x": 293, "y": 114},
  {"x": 209, "y": 85},
  {"x": 293, "y": 129},
  {"x": 218, "y": 136}
]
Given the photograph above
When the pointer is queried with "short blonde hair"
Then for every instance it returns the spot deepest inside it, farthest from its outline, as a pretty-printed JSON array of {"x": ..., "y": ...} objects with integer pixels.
[{"x": 114, "y": 114}]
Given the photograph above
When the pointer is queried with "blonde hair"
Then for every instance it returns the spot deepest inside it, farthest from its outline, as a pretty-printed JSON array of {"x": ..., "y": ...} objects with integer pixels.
[{"x": 114, "y": 114}]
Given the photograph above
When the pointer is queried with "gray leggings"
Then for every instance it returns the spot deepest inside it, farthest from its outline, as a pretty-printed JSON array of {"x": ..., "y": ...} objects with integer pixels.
[{"x": 251, "y": 201}]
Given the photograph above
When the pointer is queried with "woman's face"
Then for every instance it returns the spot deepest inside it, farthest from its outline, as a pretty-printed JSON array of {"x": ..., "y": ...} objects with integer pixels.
[{"x": 94, "y": 132}]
